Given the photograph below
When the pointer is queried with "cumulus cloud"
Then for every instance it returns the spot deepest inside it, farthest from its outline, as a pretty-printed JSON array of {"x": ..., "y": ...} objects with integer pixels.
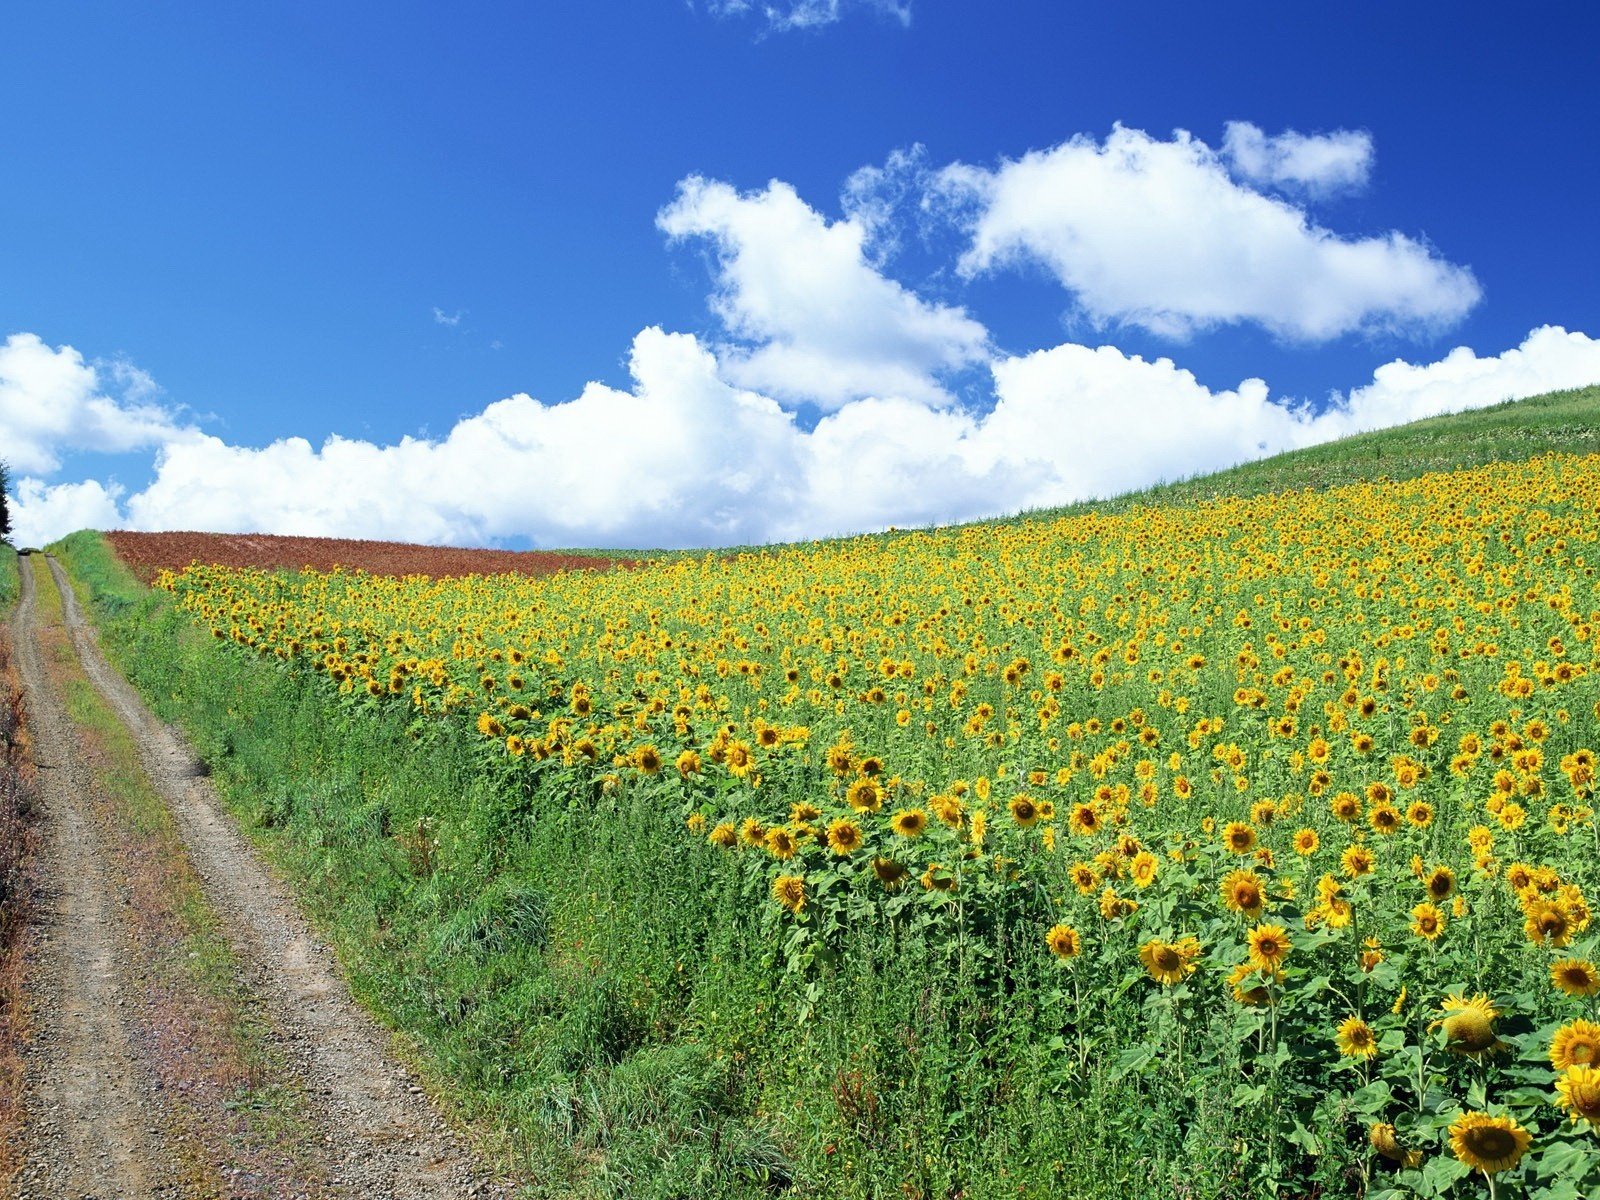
[
  {"x": 1157, "y": 234},
  {"x": 52, "y": 402},
  {"x": 811, "y": 318},
  {"x": 683, "y": 457},
  {"x": 793, "y": 15},
  {"x": 1319, "y": 164},
  {"x": 41, "y": 512}
]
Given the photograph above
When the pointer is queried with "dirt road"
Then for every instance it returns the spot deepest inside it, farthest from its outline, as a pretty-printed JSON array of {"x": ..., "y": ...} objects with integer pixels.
[{"x": 101, "y": 1092}]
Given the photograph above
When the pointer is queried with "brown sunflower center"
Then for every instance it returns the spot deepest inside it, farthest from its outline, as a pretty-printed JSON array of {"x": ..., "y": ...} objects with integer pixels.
[
  {"x": 1585, "y": 1099},
  {"x": 1490, "y": 1142},
  {"x": 1470, "y": 1031}
]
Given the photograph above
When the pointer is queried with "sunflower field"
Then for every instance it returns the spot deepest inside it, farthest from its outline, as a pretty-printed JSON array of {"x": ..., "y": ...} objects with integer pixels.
[{"x": 1239, "y": 849}]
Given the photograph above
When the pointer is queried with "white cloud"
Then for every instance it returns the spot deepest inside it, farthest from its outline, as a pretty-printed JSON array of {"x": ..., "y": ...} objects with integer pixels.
[
  {"x": 685, "y": 458},
  {"x": 1319, "y": 164},
  {"x": 1549, "y": 359},
  {"x": 681, "y": 458},
  {"x": 52, "y": 402},
  {"x": 808, "y": 14},
  {"x": 814, "y": 319},
  {"x": 41, "y": 512},
  {"x": 1156, "y": 234},
  {"x": 440, "y": 317}
]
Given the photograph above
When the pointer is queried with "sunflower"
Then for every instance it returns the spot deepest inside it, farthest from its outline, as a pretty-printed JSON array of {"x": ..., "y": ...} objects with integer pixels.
[
  {"x": 1384, "y": 817},
  {"x": 864, "y": 796},
  {"x": 1356, "y": 1038},
  {"x": 1114, "y": 907},
  {"x": 1547, "y": 924},
  {"x": 891, "y": 874},
  {"x": 1269, "y": 946},
  {"x": 688, "y": 763},
  {"x": 1488, "y": 1144},
  {"x": 803, "y": 813},
  {"x": 1579, "y": 1093},
  {"x": 1168, "y": 962},
  {"x": 1257, "y": 994},
  {"x": 723, "y": 835},
  {"x": 1346, "y": 806},
  {"x": 1575, "y": 1044},
  {"x": 1519, "y": 876},
  {"x": 1575, "y": 976},
  {"x": 1427, "y": 921},
  {"x": 1063, "y": 941},
  {"x": 1357, "y": 861},
  {"x": 1084, "y": 821},
  {"x": 1383, "y": 1139},
  {"x": 1084, "y": 878},
  {"x": 909, "y": 822},
  {"x": 740, "y": 760},
  {"x": 844, "y": 836},
  {"x": 1142, "y": 870},
  {"x": 938, "y": 878},
  {"x": 1441, "y": 881},
  {"x": 1469, "y": 1024},
  {"x": 1239, "y": 837},
  {"x": 1024, "y": 810},
  {"x": 790, "y": 891},
  {"x": 1420, "y": 814},
  {"x": 1306, "y": 842},
  {"x": 782, "y": 843},
  {"x": 1244, "y": 892}
]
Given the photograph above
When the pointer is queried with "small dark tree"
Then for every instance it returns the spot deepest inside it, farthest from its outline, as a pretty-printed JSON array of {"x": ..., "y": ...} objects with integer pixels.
[{"x": 5, "y": 512}]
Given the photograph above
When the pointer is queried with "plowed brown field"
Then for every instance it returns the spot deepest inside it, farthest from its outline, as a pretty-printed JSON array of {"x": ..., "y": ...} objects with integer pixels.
[{"x": 147, "y": 553}]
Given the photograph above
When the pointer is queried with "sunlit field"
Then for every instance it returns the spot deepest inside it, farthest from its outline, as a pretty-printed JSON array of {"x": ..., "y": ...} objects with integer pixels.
[{"x": 1241, "y": 848}]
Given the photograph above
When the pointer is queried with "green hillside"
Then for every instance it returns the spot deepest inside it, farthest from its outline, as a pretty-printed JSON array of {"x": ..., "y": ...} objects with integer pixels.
[{"x": 1560, "y": 422}]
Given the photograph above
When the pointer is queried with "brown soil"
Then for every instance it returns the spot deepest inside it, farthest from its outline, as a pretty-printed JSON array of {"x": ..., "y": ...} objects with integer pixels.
[
  {"x": 149, "y": 553},
  {"x": 190, "y": 1036}
]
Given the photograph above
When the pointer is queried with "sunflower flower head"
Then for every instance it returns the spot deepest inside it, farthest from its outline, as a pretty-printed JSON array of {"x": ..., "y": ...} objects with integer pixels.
[
  {"x": 1578, "y": 1091},
  {"x": 1575, "y": 1044},
  {"x": 1575, "y": 976},
  {"x": 1356, "y": 1039},
  {"x": 1469, "y": 1024},
  {"x": 1488, "y": 1144}
]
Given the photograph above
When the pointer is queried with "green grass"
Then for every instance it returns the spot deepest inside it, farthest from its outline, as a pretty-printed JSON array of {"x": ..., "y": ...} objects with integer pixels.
[{"x": 10, "y": 578}]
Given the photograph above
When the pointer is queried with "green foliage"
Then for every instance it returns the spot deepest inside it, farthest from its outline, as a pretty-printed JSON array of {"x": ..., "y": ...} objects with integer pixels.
[
  {"x": 5, "y": 506},
  {"x": 10, "y": 577}
]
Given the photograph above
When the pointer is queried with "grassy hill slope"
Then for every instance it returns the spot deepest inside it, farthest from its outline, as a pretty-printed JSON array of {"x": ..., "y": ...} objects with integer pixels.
[{"x": 1560, "y": 422}]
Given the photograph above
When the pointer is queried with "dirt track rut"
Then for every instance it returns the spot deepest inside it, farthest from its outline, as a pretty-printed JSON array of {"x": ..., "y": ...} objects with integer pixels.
[
  {"x": 86, "y": 1092},
  {"x": 90, "y": 1136}
]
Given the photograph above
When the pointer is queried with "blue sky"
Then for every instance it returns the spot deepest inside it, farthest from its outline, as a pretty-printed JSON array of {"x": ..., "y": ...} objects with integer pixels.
[{"x": 377, "y": 221}]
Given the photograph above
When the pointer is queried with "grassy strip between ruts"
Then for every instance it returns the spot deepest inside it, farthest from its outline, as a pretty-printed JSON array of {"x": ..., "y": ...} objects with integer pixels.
[{"x": 198, "y": 1030}]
